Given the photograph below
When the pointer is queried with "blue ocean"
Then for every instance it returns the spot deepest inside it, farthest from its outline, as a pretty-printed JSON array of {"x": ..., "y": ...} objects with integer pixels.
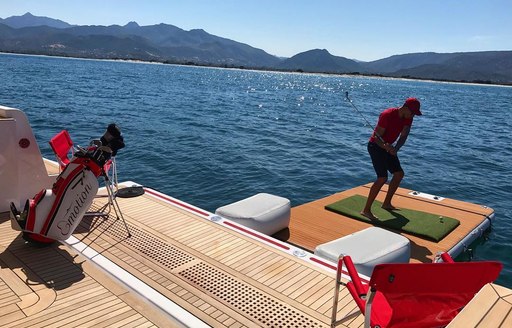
[{"x": 213, "y": 136}]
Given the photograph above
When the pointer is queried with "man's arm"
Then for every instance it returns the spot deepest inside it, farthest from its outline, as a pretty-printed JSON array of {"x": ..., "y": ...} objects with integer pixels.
[
  {"x": 403, "y": 137},
  {"x": 379, "y": 131}
]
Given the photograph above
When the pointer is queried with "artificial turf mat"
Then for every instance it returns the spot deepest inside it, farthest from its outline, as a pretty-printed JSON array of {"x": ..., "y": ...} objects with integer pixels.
[{"x": 426, "y": 225}]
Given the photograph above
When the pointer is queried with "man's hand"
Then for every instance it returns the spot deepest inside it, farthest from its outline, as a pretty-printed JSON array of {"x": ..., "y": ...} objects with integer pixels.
[{"x": 390, "y": 149}]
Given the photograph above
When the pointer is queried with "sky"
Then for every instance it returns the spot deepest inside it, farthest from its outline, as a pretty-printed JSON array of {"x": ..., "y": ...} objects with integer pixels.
[{"x": 358, "y": 29}]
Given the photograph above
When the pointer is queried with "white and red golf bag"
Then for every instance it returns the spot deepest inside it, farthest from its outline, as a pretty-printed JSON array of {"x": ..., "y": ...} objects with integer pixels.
[{"x": 53, "y": 214}]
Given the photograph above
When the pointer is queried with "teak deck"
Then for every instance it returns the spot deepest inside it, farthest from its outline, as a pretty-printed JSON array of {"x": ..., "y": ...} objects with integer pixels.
[
  {"x": 55, "y": 287},
  {"x": 223, "y": 277},
  {"x": 311, "y": 224},
  {"x": 491, "y": 307}
]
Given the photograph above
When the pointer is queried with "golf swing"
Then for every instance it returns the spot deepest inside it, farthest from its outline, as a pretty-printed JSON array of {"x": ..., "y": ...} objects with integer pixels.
[
  {"x": 360, "y": 114},
  {"x": 393, "y": 125}
]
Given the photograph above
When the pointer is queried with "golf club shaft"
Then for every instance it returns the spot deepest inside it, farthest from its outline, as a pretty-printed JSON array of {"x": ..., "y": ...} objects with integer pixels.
[{"x": 364, "y": 118}]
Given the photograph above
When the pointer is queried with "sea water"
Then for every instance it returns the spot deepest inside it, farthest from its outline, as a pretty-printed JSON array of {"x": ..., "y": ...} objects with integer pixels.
[{"x": 214, "y": 136}]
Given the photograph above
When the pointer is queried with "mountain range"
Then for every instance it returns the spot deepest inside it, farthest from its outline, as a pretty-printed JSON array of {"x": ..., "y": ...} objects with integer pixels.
[{"x": 166, "y": 43}]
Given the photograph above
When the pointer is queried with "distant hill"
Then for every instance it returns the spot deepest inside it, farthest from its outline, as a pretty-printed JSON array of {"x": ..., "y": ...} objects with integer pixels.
[
  {"x": 29, "y": 20},
  {"x": 162, "y": 42},
  {"x": 488, "y": 66},
  {"x": 406, "y": 61},
  {"x": 485, "y": 66},
  {"x": 320, "y": 61},
  {"x": 170, "y": 44}
]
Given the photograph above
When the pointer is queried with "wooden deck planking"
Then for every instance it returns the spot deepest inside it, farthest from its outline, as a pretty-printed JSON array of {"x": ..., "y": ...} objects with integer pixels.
[
  {"x": 311, "y": 224},
  {"x": 280, "y": 273},
  {"x": 132, "y": 262},
  {"x": 237, "y": 258},
  {"x": 276, "y": 276},
  {"x": 491, "y": 307},
  {"x": 230, "y": 259},
  {"x": 305, "y": 284},
  {"x": 62, "y": 290},
  {"x": 252, "y": 262},
  {"x": 242, "y": 257}
]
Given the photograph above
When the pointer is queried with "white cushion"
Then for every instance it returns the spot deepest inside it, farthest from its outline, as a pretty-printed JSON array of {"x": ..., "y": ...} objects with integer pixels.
[
  {"x": 262, "y": 212},
  {"x": 367, "y": 248}
]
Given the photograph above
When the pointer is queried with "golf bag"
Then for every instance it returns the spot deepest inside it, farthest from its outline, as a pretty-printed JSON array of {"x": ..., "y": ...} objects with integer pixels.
[{"x": 53, "y": 214}]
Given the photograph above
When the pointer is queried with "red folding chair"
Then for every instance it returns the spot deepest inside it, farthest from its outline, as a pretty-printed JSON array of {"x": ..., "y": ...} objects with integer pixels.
[
  {"x": 110, "y": 170},
  {"x": 415, "y": 294},
  {"x": 110, "y": 177},
  {"x": 62, "y": 145}
]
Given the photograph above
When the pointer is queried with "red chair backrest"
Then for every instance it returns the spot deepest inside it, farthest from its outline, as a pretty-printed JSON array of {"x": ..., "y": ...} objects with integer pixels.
[
  {"x": 107, "y": 166},
  {"x": 430, "y": 294},
  {"x": 61, "y": 144}
]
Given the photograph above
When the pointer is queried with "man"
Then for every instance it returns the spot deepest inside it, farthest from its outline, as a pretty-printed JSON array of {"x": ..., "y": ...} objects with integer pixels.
[{"x": 394, "y": 123}]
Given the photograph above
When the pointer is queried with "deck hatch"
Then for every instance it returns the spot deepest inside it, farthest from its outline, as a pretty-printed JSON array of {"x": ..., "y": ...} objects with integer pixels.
[{"x": 245, "y": 298}]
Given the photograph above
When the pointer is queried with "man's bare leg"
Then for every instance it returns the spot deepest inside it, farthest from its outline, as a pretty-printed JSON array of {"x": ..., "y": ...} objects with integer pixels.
[
  {"x": 374, "y": 191},
  {"x": 393, "y": 186}
]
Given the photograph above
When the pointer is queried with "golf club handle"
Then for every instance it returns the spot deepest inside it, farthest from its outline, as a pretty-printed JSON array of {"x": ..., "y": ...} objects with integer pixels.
[{"x": 384, "y": 143}]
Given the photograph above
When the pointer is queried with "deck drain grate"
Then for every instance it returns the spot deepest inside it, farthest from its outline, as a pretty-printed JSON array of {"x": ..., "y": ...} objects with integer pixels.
[
  {"x": 245, "y": 298},
  {"x": 152, "y": 247}
]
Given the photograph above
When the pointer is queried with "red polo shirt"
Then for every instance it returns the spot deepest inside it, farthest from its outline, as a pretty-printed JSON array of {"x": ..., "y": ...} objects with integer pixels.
[{"x": 392, "y": 123}]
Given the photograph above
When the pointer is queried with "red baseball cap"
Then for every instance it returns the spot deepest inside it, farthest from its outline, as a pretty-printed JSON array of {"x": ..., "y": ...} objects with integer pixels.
[{"x": 414, "y": 105}]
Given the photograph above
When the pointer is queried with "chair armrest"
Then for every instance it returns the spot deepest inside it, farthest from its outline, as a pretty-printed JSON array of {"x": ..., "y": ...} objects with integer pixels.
[
  {"x": 352, "y": 272},
  {"x": 447, "y": 258}
]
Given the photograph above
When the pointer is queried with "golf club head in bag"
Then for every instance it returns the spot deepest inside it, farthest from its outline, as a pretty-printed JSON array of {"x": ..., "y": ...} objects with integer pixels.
[
  {"x": 113, "y": 138},
  {"x": 53, "y": 214}
]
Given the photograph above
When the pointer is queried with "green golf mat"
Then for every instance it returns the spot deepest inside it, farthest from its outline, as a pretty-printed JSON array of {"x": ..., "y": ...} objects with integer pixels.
[{"x": 426, "y": 225}]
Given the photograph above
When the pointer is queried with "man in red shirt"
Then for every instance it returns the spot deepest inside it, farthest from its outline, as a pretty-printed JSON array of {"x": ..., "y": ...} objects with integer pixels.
[{"x": 394, "y": 123}]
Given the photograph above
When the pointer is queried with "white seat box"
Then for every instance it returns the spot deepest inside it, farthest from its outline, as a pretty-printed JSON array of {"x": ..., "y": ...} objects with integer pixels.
[
  {"x": 367, "y": 248},
  {"x": 262, "y": 212}
]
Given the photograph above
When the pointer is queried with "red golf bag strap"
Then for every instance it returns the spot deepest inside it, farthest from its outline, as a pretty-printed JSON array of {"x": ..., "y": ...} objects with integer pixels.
[{"x": 31, "y": 218}]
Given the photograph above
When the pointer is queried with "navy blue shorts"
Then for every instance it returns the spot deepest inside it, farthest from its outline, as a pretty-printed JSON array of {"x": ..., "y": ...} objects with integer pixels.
[{"x": 383, "y": 161}]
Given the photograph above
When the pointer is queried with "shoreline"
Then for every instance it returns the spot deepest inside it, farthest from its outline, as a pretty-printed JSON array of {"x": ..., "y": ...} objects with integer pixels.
[{"x": 352, "y": 75}]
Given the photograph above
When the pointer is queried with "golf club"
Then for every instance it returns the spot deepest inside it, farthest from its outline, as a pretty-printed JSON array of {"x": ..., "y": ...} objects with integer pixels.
[{"x": 364, "y": 118}]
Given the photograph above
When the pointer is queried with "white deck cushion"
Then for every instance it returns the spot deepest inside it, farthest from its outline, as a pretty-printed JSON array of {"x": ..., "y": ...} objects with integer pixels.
[
  {"x": 367, "y": 248},
  {"x": 262, "y": 212}
]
